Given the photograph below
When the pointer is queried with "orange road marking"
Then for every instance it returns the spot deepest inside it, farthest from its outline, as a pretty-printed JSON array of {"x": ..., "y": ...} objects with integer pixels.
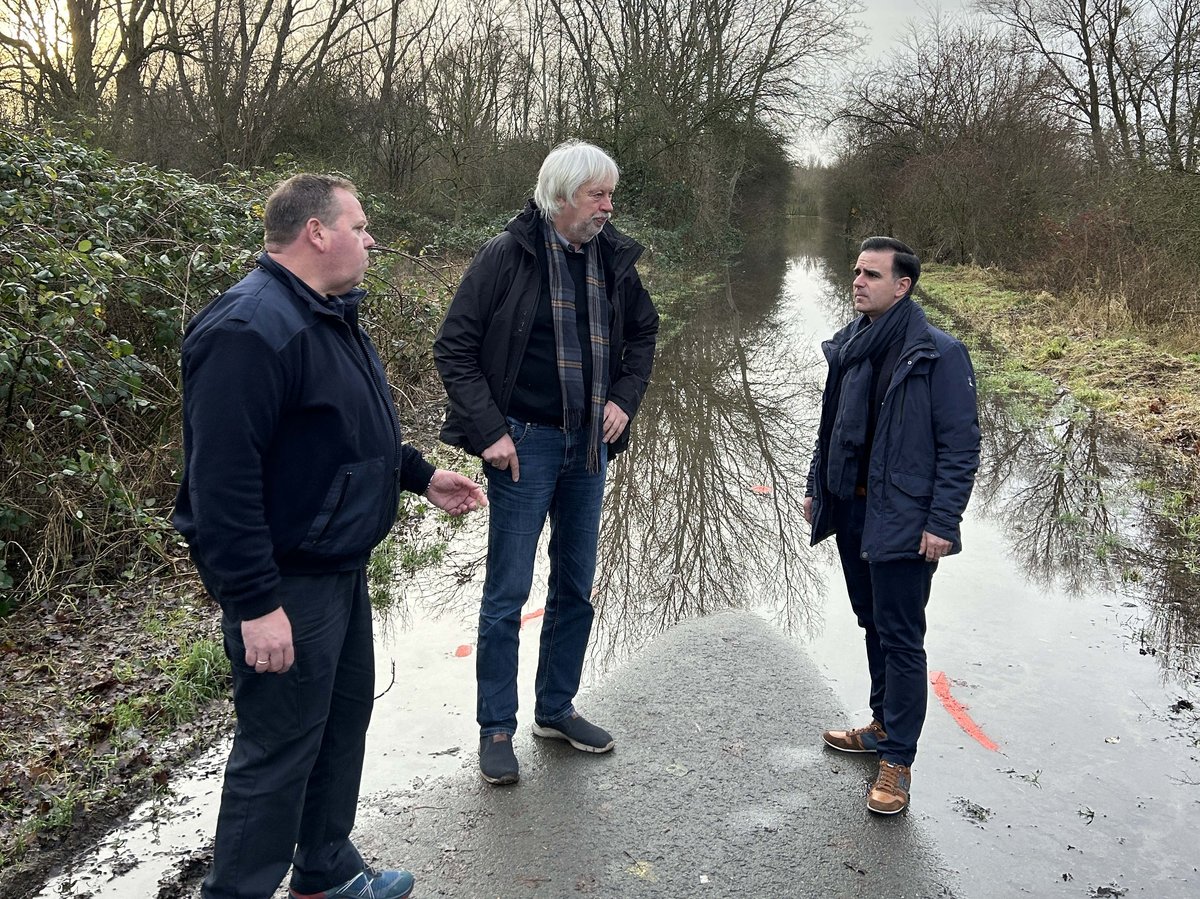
[
  {"x": 941, "y": 686},
  {"x": 465, "y": 650}
]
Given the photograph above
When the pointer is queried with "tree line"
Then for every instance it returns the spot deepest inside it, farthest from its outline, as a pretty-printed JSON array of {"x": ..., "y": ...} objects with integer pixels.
[
  {"x": 127, "y": 128},
  {"x": 446, "y": 104},
  {"x": 1057, "y": 138}
]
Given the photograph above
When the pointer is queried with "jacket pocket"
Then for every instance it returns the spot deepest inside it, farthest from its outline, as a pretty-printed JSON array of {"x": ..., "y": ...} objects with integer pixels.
[
  {"x": 914, "y": 485},
  {"x": 518, "y": 430},
  {"x": 356, "y": 512}
]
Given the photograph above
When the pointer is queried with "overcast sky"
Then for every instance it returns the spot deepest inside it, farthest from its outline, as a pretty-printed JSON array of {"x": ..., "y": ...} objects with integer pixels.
[
  {"x": 885, "y": 22},
  {"x": 886, "y": 19}
]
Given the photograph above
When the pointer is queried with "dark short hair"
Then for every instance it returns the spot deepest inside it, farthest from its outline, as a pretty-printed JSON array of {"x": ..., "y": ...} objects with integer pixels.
[
  {"x": 298, "y": 199},
  {"x": 905, "y": 263}
]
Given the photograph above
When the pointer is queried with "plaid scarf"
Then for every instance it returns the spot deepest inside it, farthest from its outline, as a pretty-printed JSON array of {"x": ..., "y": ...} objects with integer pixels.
[{"x": 566, "y": 340}]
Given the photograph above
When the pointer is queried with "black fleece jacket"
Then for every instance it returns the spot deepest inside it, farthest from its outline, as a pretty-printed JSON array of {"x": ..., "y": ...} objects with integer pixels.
[{"x": 293, "y": 460}]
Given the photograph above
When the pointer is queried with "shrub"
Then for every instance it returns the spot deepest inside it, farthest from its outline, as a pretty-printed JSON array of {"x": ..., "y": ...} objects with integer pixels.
[{"x": 100, "y": 264}]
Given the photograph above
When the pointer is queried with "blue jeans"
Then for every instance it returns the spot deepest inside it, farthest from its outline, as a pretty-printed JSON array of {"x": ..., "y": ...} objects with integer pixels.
[
  {"x": 889, "y": 599},
  {"x": 554, "y": 483}
]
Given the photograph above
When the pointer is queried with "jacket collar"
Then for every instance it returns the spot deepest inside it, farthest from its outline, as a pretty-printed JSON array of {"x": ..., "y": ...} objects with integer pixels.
[
  {"x": 323, "y": 305},
  {"x": 619, "y": 249}
]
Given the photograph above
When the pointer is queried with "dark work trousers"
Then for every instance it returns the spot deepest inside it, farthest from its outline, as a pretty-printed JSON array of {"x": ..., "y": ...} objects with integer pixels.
[
  {"x": 889, "y": 599},
  {"x": 291, "y": 784}
]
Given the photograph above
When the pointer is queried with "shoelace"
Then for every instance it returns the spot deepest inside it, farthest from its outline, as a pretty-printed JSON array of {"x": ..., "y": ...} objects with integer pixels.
[{"x": 889, "y": 778}]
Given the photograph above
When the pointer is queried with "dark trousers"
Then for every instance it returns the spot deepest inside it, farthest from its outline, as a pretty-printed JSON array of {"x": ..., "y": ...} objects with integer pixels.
[
  {"x": 291, "y": 784},
  {"x": 889, "y": 599}
]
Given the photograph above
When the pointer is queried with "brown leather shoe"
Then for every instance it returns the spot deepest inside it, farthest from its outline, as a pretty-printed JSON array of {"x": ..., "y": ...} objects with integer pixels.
[
  {"x": 861, "y": 739},
  {"x": 890, "y": 793}
]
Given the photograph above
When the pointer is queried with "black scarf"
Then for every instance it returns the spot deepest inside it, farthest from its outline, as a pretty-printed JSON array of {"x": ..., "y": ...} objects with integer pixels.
[{"x": 848, "y": 439}]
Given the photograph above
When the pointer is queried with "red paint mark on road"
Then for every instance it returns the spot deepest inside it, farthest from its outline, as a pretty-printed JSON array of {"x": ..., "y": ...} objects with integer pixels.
[
  {"x": 465, "y": 650},
  {"x": 941, "y": 686}
]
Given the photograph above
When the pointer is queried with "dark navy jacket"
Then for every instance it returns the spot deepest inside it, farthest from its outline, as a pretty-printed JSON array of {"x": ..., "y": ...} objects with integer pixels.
[
  {"x": 926, "y": 448},
  {"x": 482, "y": 340},
  {"x": 292, "y": 453}
]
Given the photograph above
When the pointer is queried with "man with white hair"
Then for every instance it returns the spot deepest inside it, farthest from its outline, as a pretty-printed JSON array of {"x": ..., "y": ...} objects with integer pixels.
[{"x": 545, "y": 353}]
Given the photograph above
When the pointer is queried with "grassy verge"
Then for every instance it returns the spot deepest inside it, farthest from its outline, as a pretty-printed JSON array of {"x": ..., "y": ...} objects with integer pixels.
[{"x": 1037, "y": 343}]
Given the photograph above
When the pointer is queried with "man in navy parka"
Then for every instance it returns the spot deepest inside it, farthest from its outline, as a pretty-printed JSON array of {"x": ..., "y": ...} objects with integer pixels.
[
  {"x": 891, "y": 475},
  {"x": 293, "y": 463}
]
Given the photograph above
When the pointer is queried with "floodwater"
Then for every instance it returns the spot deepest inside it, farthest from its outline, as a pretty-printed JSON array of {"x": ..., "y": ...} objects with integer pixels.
[{"x": 1061, "y": 754}]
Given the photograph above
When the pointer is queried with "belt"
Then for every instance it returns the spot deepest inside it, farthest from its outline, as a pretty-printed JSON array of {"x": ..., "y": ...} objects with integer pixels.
[{"x": 860, "y": 491}]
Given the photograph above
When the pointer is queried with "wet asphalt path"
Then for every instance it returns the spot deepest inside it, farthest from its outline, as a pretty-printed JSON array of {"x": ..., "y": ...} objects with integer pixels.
[{"x": 718, "y": 787}]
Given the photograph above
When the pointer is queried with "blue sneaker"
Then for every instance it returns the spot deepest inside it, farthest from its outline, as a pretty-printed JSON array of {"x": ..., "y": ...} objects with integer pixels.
[
  {"x": 497, "y": 761},
  {"x": 367, "y": 885},
  {"x": 578, "y": 731}
]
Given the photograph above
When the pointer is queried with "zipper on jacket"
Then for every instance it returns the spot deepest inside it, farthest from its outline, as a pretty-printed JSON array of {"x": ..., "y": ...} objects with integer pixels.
[{"x": 380, "y": 394}]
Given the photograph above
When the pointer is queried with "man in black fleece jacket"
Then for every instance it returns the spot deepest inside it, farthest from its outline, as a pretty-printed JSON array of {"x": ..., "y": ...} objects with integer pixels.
[{"x": 293, "y": 463}]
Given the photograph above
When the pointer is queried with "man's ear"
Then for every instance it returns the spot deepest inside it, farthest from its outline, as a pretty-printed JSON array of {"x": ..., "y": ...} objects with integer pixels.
[
  {"x": 314, "y": 233},
  {"x": 903, "y": 286}
]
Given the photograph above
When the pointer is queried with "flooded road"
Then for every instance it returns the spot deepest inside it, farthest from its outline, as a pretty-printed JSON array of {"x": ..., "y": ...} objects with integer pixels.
[{"x": 1060, "y": 754}]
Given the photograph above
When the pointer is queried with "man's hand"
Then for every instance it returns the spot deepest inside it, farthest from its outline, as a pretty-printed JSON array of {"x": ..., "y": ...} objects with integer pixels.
[
  {"x": 454, "y": 493},
  {"x": 933, "y": 547},
  {"x": 268, "y": 642},
  {"x": 503, "y": 455},
  {"x": 615, "y": 421},
  {"x": 808, "y": 509}
]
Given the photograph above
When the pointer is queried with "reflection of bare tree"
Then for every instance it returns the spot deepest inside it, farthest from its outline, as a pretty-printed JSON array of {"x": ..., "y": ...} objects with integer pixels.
[
  {"x": 1062, "y": 510},
  {"x": 1071, "y": 494},
  {"x": 705, "y": 513}
]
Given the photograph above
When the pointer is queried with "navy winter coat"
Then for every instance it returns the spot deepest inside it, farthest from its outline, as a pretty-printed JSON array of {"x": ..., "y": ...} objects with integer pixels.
[
  {"x": 482, "y": 340},
  {"x": 292, "y": 453},
  {"x": 925, "y": 452}
]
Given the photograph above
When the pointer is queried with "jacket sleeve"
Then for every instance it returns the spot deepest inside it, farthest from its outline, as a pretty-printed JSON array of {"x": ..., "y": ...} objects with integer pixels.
[
  {"x": 233, "y": 390},
  {"x": 637, "y": 355},
  {"x": 810, "y": 484},
  {"x": 457, "y": 348},
  {"x": 956, "y": 441}
]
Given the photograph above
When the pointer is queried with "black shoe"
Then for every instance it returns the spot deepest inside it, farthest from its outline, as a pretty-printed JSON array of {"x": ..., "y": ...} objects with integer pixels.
[
  {"x": 577, "y": 731},
  {"x": 497, "y": 761}
]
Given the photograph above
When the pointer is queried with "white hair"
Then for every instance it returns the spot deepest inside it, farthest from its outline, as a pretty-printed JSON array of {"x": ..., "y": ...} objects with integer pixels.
[{"x": 567, "y": 168}]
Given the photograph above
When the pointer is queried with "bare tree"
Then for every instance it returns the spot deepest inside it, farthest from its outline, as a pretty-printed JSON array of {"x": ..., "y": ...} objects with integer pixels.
[
  {"x": 1076, "y": 39},
  {"x": 242, "y": 65},
  {"x": 71, "y": 55}
]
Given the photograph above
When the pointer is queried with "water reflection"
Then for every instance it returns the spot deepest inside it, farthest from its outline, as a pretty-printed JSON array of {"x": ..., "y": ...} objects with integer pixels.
[
  {"x": 705, "y": 512},
  {"x": 1086, "y": 507}
]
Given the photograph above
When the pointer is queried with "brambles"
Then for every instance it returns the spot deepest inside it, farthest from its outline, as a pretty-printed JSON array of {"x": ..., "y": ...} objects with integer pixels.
[{"x": 102, "y": 262}]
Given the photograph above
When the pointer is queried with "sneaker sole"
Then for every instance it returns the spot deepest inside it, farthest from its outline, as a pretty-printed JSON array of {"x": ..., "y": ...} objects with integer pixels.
[
  {"x": 844, "y": 749},
  {"x": 502, "y": 781},
  {"x": 550, "y": 733},
  {"x": 880, "y": 811}
]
